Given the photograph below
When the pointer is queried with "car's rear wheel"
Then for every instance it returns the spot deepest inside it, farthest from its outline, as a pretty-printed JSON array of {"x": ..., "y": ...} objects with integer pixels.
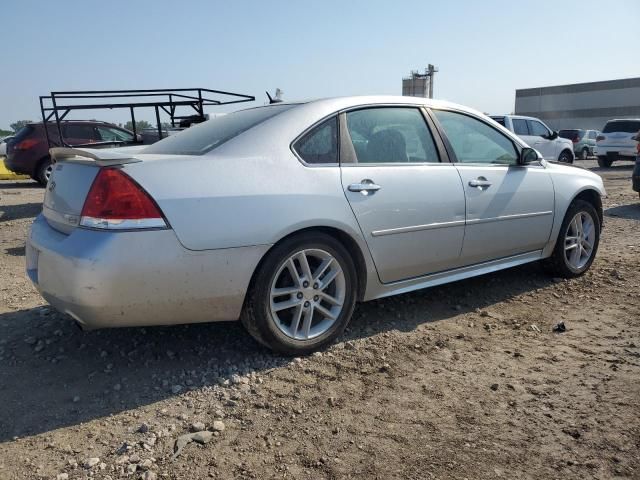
[
  {"x": 303, "y": 294},
  {"x": 604, "y": 162},
  {"x": 43, "y": 173},
  {"x": 584, "y": 154},
  {"x": 565, "y": 157},
  {"x": 577, "y": 243}
]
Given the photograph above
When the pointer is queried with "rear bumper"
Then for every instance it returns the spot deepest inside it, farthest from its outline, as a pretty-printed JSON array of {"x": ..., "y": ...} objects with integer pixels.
[
  {"x": 123, "y": 279},
  {"x": 619, "y": 151}
]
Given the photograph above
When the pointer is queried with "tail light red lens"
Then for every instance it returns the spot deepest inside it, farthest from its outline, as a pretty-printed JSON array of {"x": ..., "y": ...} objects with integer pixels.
[
  {"x": 599, "y": 138},
  {"x": 26, "y": 144},
  {"x": 116, "y": 201}
]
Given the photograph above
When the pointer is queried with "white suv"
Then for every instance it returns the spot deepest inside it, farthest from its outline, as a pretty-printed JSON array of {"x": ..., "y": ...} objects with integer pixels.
[
  {"x": 537, "y": 135},
  {"x": 617, "y": 141}
]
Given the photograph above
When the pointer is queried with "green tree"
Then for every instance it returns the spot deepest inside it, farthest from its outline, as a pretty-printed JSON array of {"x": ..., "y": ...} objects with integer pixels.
[
  {"x": 140, "y": 125},
  {"x": 15, "y": 126}
]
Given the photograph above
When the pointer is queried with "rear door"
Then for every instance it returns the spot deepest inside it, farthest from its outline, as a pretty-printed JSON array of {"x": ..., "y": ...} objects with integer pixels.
[
  {"x": 409, "y": 205},
  {"x": 509, "y": 207}
]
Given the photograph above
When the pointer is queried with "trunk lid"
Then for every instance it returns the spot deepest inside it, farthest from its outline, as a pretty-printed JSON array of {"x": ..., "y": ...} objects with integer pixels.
[{"x": 72, "y": 177}]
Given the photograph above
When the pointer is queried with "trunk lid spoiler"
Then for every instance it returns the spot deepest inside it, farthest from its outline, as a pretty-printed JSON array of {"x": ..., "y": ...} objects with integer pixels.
[{"x": 100, "y": 157}]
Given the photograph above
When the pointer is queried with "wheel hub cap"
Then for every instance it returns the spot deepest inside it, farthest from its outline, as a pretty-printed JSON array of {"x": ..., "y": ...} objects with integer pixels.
[
  {"x": 307, "y": 294},
  {"x": 579, "y": 240}
]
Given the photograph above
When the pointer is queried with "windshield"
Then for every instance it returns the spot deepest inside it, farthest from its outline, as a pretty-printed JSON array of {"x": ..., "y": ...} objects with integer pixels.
[
  {"x": 206, "y": 136},
  {"x": 626, "y": 126}
]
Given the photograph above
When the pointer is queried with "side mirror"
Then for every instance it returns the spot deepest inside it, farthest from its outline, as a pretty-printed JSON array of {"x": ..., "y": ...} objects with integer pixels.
[
  {"x": 527, "y": 156},
  {"x": 553, "y": 135},
  {"x": 138, "y": 138}
]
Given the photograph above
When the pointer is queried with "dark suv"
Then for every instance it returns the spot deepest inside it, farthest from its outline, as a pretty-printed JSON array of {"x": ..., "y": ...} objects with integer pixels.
[{"x": 28, "y": 151}]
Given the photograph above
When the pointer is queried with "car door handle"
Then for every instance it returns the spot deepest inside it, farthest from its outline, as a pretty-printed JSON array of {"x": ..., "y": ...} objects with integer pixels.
[
  {"x": 365, "y": 187},
  {"x": 480, "y": 182}
]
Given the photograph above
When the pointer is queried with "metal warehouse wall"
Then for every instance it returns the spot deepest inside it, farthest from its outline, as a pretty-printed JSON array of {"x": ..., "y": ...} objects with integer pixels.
[{"x": 581, "y": 105}]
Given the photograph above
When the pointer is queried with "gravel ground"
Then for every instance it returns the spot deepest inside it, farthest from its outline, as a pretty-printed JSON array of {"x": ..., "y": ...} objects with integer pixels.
[{"x": 466, "y": 380}]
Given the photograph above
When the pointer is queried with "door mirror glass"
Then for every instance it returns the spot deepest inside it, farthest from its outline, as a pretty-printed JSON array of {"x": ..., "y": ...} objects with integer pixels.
[{"x": 527, "y": 156}]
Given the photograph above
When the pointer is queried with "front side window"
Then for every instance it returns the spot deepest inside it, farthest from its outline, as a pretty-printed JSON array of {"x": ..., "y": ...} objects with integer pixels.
[
  {"x": 474, "y": 141},
  {"x": 108, "y": 134},
  {"x": 537, "y": 129},
  {"x": 520, "y": 126},
  {"x": 391, "y": 135},
  {"x": 320, "y": 145}
]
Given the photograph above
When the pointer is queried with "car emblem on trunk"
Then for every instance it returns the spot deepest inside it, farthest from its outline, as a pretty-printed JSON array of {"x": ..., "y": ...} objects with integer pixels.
[{"x": 52, "y": 185}]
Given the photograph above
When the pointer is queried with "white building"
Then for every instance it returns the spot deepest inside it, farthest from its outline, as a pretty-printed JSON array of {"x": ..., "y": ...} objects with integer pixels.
[{"x": 581, "y": 105}]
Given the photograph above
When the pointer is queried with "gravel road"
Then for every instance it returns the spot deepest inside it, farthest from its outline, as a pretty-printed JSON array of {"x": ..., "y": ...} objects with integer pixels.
[{"x": 466, "y": 380}]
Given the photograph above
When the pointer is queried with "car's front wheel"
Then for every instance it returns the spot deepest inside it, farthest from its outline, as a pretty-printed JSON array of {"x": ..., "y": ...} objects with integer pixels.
[
  {"x": 578, "y": 241},
  {"x": 565, "y": 157},
  {"x": 303, "y": 294}
]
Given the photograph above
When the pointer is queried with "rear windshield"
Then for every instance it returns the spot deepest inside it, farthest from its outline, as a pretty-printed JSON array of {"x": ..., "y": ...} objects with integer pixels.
[
  {"x": 626, "y": 126},
  {"x": 206, "y": 136},
  {"x": 23, "y": 133},
  {"x": 570, "y": 134}
]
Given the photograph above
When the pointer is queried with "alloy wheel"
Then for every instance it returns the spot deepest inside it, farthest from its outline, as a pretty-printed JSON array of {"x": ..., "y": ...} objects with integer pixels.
[
  {"x": 579, "y": 240},
  {"x": 307, "y": 294}
]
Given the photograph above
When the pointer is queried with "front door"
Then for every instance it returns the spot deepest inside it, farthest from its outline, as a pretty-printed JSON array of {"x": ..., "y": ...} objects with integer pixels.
[
  {"x": 509, "y": 206},
  {"x": 539, "y": 138},
  {"x": 409, "y": 206}
]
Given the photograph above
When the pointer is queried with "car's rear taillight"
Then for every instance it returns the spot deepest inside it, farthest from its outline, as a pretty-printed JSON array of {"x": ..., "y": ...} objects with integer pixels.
[
  {"x": 599, "y": 138},
  {"x": 25, "y": 144},
  {"x": 116, "y": 201},
  {"x": 575, "y": 139}
]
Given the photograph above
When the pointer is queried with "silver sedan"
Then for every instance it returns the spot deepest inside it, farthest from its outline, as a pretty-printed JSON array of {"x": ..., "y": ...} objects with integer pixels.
[{"x": 284, "y": 216}]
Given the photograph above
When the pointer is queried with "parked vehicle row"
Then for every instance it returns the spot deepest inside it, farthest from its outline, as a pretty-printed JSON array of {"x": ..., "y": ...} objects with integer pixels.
[
  {"x": 584, "y": 141},
  {"x": 285, "y": 215},
  {"x": 537, "y": 135},
  {"x": 28, "y": 150}
]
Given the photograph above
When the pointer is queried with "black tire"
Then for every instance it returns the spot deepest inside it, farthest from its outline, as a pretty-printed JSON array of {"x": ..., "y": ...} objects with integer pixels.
[
  {"x": 604, "y": 162},
  {"x": 256, "y": 316},
  {"x": 43, "y": 172},
  {"x": 565, "y": 157},
  {"x": 584, "y": 154},
  {"x": 557, "y": 264}
]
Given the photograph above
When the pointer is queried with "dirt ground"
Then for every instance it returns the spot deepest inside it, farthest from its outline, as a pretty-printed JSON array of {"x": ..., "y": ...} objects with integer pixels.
[{"x": 466, "y": 380}]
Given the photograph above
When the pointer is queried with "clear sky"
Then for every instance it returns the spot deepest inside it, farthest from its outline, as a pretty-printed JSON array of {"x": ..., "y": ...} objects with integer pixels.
[{"x": 484, "y": 49}]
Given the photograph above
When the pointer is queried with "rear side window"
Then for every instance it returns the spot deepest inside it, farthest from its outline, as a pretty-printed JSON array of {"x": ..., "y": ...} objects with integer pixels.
[
  {"x": 82, "y": 132},
  {"x": 204, "y": 137},
  {"x": 320, "y": 145},
  {"x": 520, "y": 126},
  {"x": 592, "y": 134},
  {"x": 625, "y": 126},
  {"x": 500, "y": 120},
  {"x": 391, "y": 135}
]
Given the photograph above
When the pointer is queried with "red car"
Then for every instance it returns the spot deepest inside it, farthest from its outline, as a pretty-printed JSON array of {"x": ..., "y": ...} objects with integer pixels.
[{"x": 28, "y": 151}]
